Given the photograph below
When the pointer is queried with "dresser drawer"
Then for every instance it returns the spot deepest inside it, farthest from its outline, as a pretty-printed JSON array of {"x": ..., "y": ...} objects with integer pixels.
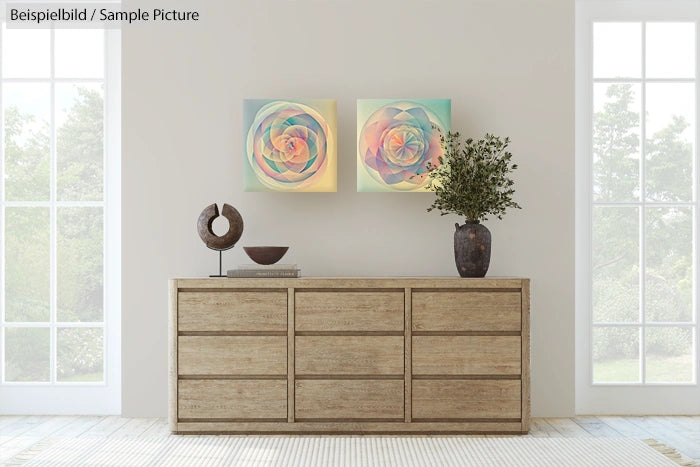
[
  {"x": 466, "y": 355},
  {"x": 466, "y": 311},
  {"x": 349, "y": 355},
  {"x": 466, "y": 399},
  {"x": 228, "y": 399},
  {"x": 232, "y": 311},
  {"x": 232, "y": 355},
  {"x": 349, "y": 311},
  {"x": 349, "y": 399}
]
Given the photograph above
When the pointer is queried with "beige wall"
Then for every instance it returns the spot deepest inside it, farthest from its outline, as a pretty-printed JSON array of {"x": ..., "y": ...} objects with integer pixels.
[{"x": 508, "y": 67}]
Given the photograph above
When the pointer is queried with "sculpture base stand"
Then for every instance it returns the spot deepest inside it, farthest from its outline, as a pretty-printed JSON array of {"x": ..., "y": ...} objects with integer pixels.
[{"x": 220, "y": 270}]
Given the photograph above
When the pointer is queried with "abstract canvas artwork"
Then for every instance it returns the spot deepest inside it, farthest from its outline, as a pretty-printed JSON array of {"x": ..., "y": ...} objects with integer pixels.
[
  {"x": 396, "y": 138},
  {"x": 290, "y": 145}
]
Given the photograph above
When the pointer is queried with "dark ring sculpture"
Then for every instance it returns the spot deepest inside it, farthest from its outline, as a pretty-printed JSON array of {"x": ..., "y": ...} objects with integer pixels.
[{"x": 229, "y": 239}]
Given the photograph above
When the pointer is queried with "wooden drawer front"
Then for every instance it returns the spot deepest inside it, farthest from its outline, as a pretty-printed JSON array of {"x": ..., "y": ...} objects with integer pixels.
[
  {"x": 466, "y": 311},
  {"x": 349, "y": 355},
  {"x": 466, "y": 355},
  {"x": 455, "y": 399},
  {"x": 232, "y": 355},
  {"x": 349, "y": 311},
  {"x": 232, "y": 311},
  {"x": 241, "y": 399},
  {"x": 349, "y": 399}
]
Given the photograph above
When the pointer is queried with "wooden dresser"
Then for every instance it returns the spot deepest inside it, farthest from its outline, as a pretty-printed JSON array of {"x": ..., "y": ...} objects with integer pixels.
[{"x": 341, "y": 355}]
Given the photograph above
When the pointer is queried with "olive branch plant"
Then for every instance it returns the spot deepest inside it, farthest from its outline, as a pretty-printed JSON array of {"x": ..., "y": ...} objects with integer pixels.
[{"x": 472, "y": 179}]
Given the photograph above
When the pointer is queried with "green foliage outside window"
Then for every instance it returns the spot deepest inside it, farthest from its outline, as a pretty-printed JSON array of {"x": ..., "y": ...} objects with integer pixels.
[
  {"x": 668, "y": 231},
  {"x": 79, "y": 241}
]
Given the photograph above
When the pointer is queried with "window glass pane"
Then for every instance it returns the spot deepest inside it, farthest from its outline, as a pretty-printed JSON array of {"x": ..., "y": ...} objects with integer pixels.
[
  {"x": 79, "y": 142},
  {"x": 79, "y": 268},
  {"x": 617, "y": 50},
  {"x": 27, "y": 257},
  {"x": 27, "y": 143},
  {"x": 79, "y": 53},
  {"x": 79, "y": 354},
  {"x": 615, "y": 264},
  {"x": 26, "y": 53},
  {"x": 669, "y": 355},
  {"x": 616, "y": 148},
  {"x": 27, "y": 354},
  {"x": 615, "y": 355},
  {"x": 669, "y": 264},
  {"x": 670, "y": 50},
  {"x": 670, "y": 130}
]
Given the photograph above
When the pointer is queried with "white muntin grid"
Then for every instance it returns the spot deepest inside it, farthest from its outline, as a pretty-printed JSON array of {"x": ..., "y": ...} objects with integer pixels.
[
  {"x": 642, "y": 205},
  {"x": 53, "y": 205}
]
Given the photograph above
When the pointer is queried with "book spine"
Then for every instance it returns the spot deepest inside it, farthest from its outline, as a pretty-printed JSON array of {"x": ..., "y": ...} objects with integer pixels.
[
  {"x": 267, "y": 267},
  {"x": 257, "y": 273}
]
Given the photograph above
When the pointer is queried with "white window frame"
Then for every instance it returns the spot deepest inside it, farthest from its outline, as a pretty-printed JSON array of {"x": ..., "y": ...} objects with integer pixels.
[
  {"x": 80, "y": 398},
  {"x": 623, "y": 398}
]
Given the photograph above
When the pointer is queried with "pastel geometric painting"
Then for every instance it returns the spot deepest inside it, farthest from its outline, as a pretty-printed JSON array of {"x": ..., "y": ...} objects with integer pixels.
[
  {"x": 290, "y": 145},
  {"x": 396, "y": 138}
]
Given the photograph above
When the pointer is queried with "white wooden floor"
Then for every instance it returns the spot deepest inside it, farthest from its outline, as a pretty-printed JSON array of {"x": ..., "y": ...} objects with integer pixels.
[{"x": 17, "y": 433}]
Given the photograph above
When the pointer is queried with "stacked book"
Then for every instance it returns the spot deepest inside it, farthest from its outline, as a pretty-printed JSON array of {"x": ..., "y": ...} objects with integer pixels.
[{"x": 270, "y": 270}]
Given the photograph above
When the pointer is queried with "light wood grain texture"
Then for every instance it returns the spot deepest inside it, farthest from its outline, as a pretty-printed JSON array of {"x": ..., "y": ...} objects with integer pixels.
[
  {"x": 157, "y": 430},
  {"x": 105, "y": 427},
  {"x": 434, "y": 399},
  {"x": 45, "y": 427},
  {"x": 349, "y": 399},
  {"x": 623, "y": 426},
  {"x": 232, "y": 399},
  {"x": 466, "y": 311},
  {"x": 341, "y": 355},
  {"x": 234, "y": 355},
  {"x": 134, "y": 428},
  {"x": 173, "y": 353},
  {"x": 596, "y": 427},
  {"x": 291, "y": 319},
  {"x": 82, "y": 424},
  {"x": 408, "y": 388},
  {"x": 349, "y": 311},
  {"x": 347, "y": 355},
  {"x": 541, "y": 429},
  {"x": 352, "y": 428},
  {"x": 466, "y": 355},
  {"x": 353, "y": 282},
  {"x": 232, "y": 311},
  {"x": 525, "y": 354},
  {"x": 568, "y": 428},
  {"x": 667, "y": 434}
]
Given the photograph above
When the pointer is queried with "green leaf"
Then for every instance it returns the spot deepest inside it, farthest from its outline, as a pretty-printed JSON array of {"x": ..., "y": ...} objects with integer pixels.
[{"x": 472, "y": 179}]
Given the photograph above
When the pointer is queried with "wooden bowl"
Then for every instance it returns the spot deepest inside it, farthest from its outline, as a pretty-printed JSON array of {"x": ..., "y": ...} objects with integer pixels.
[{"x": 265, "y": 254}]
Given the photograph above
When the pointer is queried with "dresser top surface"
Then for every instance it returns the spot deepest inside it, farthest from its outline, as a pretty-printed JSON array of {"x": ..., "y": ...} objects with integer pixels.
[{"x": 353, "y": 282}]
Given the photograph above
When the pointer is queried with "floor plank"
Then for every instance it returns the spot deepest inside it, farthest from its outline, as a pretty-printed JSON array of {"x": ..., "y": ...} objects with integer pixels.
[
  {"x": 6, "y": 420},
  {"x": 78, "y": 427},
  {"x": 159, "y": 429},
  {"x": 683, "y": 423},
  {"x": 20, "y": 426},
  {"x": 105, "y": 427},
  {"x": 597, "y": 428},
  {"x": 29, "y": 437},
  {"x": 666, "y": 433},
  {"x": 135, "y": 427},
  {"x": 623, "y": 426},
  {"x": 568, "y": 428},
  {"x": 542, "y": 429}
]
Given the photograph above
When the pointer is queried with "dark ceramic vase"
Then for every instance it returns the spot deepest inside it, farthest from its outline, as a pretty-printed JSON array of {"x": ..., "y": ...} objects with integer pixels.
[{"x": 472, "y": 249}]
